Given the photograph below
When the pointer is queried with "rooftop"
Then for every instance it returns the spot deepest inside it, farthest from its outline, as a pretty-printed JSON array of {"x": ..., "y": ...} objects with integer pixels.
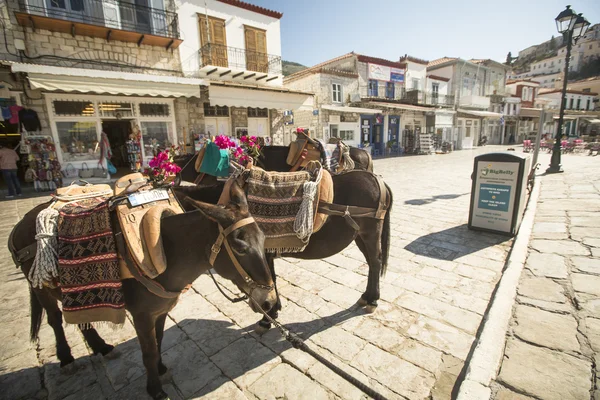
[
  {"x": 440, "y": 61},
  {"x": 549, "y": 91},
  {"x": 406, "y": 57},
  {"x": 254, "y": 8}
]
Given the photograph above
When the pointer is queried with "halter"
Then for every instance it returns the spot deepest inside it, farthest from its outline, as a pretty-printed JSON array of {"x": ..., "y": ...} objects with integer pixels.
[{"x": 222, "y": 239}]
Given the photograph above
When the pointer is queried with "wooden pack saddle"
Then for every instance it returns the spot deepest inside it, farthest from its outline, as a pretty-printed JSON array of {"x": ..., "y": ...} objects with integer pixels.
[
  {"x": 312, "y": 150},
  {"x": 141, "y": 224}
]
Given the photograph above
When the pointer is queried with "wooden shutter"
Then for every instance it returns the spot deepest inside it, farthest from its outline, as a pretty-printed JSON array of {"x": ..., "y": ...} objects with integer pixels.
[
  {"x": 256, "y": 49},
  {"x": 216, "y": 54}
]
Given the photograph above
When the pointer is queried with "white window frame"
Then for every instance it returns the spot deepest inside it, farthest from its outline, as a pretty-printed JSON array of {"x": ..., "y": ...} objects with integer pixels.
[
  {"x": 95, "y": 100},
  {"x": 339, "y": 92}
]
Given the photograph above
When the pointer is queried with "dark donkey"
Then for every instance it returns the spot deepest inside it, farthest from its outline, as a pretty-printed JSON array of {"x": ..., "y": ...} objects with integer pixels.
[
  {"x": 355, "y": 188},
  {"x": 186, "y": 259},
  {"x": 273, "y": 158}
]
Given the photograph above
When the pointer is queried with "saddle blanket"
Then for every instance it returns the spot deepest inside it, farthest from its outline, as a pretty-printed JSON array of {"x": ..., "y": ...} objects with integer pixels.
[
  {"x": 332, "y": 156},
  {"x": 88, "y": 267},
  {"x": 274, "y": 200}
]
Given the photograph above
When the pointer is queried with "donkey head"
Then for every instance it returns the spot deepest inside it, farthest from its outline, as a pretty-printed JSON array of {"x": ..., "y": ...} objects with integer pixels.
[{"x": 246, "y": 247}]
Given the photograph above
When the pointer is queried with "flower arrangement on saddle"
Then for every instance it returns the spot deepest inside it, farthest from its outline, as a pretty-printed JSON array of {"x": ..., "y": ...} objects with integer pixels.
[
  {"x": 247, "y": 152},
  {"x": 161, "y": 168}
]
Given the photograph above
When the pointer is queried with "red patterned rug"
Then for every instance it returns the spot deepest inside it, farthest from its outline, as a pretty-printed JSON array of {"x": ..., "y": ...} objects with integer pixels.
[{"x": 88, "y": 266}]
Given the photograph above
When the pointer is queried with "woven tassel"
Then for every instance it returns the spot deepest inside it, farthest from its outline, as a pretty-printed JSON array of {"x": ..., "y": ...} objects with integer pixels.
[
  {"x": 347, "y": 161},
  {"x": 303, "y": 226},
  {"x": 45, "y": 265}
]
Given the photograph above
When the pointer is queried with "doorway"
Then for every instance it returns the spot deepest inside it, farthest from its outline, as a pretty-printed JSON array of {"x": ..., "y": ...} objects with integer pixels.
[{"x": 118, "y": 134}]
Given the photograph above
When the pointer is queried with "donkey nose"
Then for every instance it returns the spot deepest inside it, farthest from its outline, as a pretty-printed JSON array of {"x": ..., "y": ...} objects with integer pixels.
[{"x": 266, "y": 306}]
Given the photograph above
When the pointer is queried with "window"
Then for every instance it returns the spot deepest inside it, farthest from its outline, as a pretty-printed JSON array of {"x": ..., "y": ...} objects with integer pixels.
[
  {"x": 115, "y": 109},
  {"x": 389, "y": 90},
  {"x": 587, "y": 107},
  {"x": 586, "y": 90},
  {"x": 215, "y": 111},
  {"x": 578, "y": 103},
  {"x": 154, "y": 110},
  {"x": 258, "y": 112},
  {"x": 372, "y": 88},
  {"x": 336, "y": 92},
  {"x": 347, "y": 135},
  {"x": 69, "y": 108},
  {"x": 213, "y": 29},
  {"x": 590, "y": 47},
  {"x": 78, "y": 140},
  {"x": 415, "y": 84},
  {"x": 156, "y": 137},
  {"x": 256, "y": 49},
  {"x": 571, "y": 104},
  {"x": 560, "y": 61}
]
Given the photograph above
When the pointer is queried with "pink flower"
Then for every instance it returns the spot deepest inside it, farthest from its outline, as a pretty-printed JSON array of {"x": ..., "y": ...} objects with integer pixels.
[
  {"x": 153, "y": 163},
  {"x": 244, "y": 139},
  {"x": 253, "y": 139}
]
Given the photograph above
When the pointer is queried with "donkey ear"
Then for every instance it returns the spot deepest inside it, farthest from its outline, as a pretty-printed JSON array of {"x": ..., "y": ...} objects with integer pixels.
[
  {"x": 215, "y": 213},
  {"x": 238, "y": 197}
]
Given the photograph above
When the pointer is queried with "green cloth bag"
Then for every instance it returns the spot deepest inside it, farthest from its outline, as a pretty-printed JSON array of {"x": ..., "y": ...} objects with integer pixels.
[{"x": 216, "y": 161}]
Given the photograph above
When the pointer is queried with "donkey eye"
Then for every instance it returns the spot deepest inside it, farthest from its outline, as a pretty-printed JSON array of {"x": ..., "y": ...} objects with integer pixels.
[{"x": 240, "y": 247}]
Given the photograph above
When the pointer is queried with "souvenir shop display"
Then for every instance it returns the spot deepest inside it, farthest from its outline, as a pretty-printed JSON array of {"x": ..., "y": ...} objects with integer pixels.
[
  {"x": 134, "y": 149},
  {"x": 425, "y": 143},
  {"x": 408, "y": 141},
  {"x": 46, "y": 170}
]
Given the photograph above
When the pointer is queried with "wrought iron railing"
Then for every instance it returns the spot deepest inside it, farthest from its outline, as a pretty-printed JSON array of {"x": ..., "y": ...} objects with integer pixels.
[
  {"x": 219, "y": 55},
  {"x": 382, "y": 92},
  {"x": 114, "y": 14},
  {"x": 401, "y": 94}
]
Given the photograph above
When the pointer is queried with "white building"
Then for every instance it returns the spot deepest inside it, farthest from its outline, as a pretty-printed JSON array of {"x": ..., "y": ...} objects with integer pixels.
[
  {"x": 236, "y": 47},
  {"x": 575, "y": 100}
]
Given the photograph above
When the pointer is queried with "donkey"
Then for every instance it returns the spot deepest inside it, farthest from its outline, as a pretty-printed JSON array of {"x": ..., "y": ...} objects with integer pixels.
[
  {"x": 187, "y": 258},
  {"x": 356, "y": 188}
]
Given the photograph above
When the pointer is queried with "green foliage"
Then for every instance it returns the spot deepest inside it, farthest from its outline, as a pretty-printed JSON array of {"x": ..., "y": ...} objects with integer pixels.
[{"x": 290, "y": 67}]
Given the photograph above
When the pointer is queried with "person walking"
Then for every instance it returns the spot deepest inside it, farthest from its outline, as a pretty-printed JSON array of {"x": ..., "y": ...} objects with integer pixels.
[{"x": 8, "y": 165}]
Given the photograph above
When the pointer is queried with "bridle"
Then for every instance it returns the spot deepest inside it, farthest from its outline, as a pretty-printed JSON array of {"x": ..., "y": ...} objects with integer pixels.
[{"x": 222, "y": 240}]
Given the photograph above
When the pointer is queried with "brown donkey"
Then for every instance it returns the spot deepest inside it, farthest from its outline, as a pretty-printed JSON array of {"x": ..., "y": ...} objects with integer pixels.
[{"x": 187, "y": 257}]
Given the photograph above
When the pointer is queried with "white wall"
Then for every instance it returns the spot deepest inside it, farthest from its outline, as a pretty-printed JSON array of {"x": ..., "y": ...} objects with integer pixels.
[
  {"x": 555, "y": 100},
  {"x": 415, "y": 71},
  {"x": 235, "y": 19},
  {"x": 443, "y": 86}
]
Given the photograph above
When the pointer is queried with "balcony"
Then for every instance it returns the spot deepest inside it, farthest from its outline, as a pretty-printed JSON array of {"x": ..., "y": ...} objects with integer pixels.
[
  {"x": 108, "y": 19},
  {"x": 429, "y": 98},
  {"x": 475, "y": 101},
  {"x": 401, "y": 95},
  {"x": 216, "y": 60},
  {"x": 382, "y": 92}
]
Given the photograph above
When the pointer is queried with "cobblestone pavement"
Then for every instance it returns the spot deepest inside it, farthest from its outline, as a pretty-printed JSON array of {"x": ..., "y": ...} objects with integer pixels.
[
  {"x": 552, "y": 349},
  {"x": 438, "y": 285}
]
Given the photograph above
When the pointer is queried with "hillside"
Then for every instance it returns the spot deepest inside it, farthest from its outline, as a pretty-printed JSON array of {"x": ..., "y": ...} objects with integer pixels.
[{"x": 290, "y": 67}]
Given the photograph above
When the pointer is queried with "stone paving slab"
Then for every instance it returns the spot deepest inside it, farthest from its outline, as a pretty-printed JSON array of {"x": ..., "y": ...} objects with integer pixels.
[
  {"x": 439, "y": 282},
  {"x": 553, "y": 346}
]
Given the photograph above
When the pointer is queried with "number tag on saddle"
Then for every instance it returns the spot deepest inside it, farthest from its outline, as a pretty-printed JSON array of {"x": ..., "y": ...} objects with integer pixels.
[{"x": 148, "y": 196}]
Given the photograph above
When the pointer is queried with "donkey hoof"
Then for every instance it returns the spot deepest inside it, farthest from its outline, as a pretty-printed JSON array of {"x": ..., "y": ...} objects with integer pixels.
[
  {"x": 370, "y": 309},
  {"x": 261, "y": 328},
  {"x": 362, "y": 302},
  {"x": 105, "y": 350},
  {"x": 65, "y": 362}
]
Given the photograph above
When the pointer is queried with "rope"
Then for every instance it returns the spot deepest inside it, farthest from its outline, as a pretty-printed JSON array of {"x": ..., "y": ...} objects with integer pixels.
[
  {"x": 303, "y": 225},
  {"x": 237, "y": 300},
  {"x": 347, "y": 161},
  {"x": 45, "y": 265}
]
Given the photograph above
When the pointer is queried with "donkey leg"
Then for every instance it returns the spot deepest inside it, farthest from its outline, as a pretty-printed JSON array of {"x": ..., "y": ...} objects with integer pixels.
[
  {"x": 145, "y": 326},
  {"x": 368, "y": 241},
  {"x": 159, "y": 327},
  {"x": 264, "y": 324},
  {"x": 98, "y": 345},
  {"x": 63, "y": 351}
]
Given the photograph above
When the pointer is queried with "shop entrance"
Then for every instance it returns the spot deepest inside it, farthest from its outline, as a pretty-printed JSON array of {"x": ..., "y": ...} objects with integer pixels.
[{"x": 118, "y": 133}]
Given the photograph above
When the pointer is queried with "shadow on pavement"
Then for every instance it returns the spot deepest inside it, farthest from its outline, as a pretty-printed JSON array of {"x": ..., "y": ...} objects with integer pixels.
[
  {"x": 454, "y": 243},
  {"x": 420, "y": 202},
  {"x": 213, "y": 352}
]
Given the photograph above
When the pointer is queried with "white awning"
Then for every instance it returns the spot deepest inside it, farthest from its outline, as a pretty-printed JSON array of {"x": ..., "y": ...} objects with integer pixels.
[
  {"x": 359, "y": 110},
  {"x": 407, "y": 107},
  {"x": 260, "y": 97},
  {"x": 477, "y": 113},
  {"x": 111, "y": 82},
  {"x": 593, "y": 120}
]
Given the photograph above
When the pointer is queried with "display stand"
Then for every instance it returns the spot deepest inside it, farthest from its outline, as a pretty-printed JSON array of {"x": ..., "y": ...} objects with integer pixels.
[
  {"x": 425, "y": 143},
  {"x": 134, "y": 155},
  {"x": 41, "y": 158}
]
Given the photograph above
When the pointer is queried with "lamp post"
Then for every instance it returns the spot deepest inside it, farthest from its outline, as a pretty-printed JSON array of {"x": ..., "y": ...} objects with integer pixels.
[{"x": 574, "y": 26}]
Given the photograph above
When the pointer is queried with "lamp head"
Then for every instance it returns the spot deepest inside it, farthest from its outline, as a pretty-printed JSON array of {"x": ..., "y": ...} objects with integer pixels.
[{"x": 565, "y": 20}]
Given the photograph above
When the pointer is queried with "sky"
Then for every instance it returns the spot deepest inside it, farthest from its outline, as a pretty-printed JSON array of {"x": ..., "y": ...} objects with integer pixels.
[{"x": 313, "y": 31}]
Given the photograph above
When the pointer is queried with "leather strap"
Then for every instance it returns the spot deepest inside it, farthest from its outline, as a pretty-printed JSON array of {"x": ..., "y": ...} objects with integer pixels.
[
  {"x": 223, "y": 233},
  {"x": 382, "y": 209}
]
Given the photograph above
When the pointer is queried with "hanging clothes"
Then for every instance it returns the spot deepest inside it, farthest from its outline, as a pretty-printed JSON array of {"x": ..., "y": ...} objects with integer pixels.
[
  {"x": 29, "y": 120},
  {"x": 14, "y": 111},
  {"x": 216, "y": 161},
  {"x": 105, "y": 150},
  {"x": 6, "y": 114}
]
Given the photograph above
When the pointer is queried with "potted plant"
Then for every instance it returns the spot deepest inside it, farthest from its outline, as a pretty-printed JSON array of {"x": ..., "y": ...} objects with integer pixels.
[{"x": 161, "y": 169}]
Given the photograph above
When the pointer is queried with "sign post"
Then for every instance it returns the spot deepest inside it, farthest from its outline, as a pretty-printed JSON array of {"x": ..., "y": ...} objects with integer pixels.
[{"x": 498, "y": 194}]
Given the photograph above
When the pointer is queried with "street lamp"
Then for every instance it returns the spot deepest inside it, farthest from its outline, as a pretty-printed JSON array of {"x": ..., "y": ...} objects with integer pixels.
[{"x": 574, "y": 26}]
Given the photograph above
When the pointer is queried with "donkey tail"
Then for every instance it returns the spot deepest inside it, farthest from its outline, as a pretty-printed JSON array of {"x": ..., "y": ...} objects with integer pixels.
[
  {"x": 386, "y": 233},
  {"x": 37, "y": 312}
]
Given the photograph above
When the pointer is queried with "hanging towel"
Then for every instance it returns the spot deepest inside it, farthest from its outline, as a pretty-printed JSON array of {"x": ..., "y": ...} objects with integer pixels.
[
  {"x": 14, "y": 111},
  {"x": 30, "y": 120},
  {"x": 6, "y": 113},
  {"x": 216, "y": 161}
]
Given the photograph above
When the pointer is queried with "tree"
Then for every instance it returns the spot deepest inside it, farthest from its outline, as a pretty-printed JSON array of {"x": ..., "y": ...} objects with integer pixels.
[
  {"x": 509, "y": 58},
  {"x": 552, "y": 45}
]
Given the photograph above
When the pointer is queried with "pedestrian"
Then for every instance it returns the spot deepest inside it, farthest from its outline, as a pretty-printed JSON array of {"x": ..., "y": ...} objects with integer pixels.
[{"x": 8, "y": 165}]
